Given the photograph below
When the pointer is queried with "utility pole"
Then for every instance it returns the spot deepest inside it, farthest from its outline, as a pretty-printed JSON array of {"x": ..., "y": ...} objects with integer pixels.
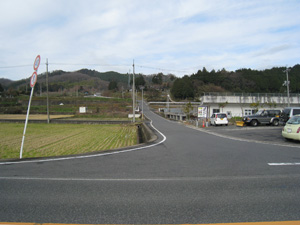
[
  {"x": 41, "y": 89},
  {"x": 168, "y": 102},
  {"x": 136, "y": 98},
  {"x": 133, "y": 93},
  {"x": 142, "y": 103},
  {"x": 47, "y": 84},
  {"x": 129, "y": 80},
  {"x": 287, "y": 85}
]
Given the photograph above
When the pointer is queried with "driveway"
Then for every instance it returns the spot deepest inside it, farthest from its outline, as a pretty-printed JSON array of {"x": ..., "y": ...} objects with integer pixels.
[{"x": 260, "y": 134}]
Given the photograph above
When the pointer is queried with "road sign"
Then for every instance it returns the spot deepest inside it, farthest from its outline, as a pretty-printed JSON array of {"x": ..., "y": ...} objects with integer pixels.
[
  {"x": 202, "y": 112},
  {"x": 33, "y": 79},
  {"x": 37, "y": 63}
]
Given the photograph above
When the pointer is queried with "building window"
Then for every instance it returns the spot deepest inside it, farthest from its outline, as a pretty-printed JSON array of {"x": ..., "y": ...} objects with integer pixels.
[
  {"x": 249, "y": 112},
  {"x": 229, "y": 114},
  {"x": 216, "y": 110}
]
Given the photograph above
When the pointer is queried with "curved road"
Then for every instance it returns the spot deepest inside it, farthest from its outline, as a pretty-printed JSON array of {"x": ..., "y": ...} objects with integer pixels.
[{"x": 191, "y": 177}]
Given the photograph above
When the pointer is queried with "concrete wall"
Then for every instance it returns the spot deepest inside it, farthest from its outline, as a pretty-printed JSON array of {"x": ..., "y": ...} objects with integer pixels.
[
  {"x": 240, "y": 104},
  {"x": 264, "y": 99},
  {"x": 148, "y": 134}
]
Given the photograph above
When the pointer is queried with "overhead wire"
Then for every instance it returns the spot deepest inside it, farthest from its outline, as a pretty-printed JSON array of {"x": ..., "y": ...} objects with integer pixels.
[
  {"x": 85, "y": 64},
  {"x": 102, "y": 65},
  {"x": 8, "y": 67},
  {"x": 162, "y": 69}
]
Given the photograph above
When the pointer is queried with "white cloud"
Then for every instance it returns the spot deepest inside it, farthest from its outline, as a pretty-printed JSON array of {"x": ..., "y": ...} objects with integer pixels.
[{"x": 176, "y": 35}]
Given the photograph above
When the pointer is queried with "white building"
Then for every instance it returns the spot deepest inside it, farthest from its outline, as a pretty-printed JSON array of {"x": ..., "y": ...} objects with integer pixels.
[{"x": 241, "y": 104}]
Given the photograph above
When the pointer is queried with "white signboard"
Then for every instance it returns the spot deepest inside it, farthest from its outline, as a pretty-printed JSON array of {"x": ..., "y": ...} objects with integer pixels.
[
  {"x": 135, "y": 115},
  {"x": 202, "y": 112},
  {"x": 82, "y": 109}
]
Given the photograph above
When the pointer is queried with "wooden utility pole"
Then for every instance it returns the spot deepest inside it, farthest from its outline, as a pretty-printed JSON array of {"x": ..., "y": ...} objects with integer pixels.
[
  {"x": 287, "y": 85},
  {"x": 47, "y": 84},
  {"x": 133, "y": 93}
]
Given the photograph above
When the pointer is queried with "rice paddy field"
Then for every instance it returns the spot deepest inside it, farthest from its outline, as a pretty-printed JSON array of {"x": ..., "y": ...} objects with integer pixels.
[{"x": 44, "y": 140}]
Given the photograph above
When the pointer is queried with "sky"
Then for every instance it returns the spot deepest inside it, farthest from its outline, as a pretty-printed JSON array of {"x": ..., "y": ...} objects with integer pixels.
[{"x": 169, "y": 36}]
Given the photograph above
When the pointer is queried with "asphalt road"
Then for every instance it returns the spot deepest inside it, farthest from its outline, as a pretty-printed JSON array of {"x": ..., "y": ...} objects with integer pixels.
[
  {"x": 193, "y": 176},
  {"x": 262, "y": 134}
]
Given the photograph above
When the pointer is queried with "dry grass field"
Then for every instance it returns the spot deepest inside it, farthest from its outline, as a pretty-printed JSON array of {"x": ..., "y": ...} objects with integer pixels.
[
  {"x": 32, "y": 117},
  {"x": 44, "y": 140}
]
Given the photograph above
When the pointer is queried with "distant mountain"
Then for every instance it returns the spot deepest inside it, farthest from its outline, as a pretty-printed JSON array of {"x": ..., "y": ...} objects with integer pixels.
[
  {"x": 84, "y": 77},
  {"x": 192, "y": 86},
  {"x": 84, "y": 80},
  {"x": 5, "y": 82},
  {"x": 60, "y": 81},
  {"x": 107, "y": 76}
]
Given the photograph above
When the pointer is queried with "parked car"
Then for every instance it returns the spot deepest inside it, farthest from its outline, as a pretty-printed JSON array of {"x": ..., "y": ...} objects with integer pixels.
[
  {"x": 263, "y": 117},
  {"x": 288, "y": 112},
  {"x": 219, "y": 119},
  {"x": 291, "y": 130}
]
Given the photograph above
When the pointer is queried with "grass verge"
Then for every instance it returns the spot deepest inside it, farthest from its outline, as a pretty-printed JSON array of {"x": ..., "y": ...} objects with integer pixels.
[{"x": 44, "y": 140}]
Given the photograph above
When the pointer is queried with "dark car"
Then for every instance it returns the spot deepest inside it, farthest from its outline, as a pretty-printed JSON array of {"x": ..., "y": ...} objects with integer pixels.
[{"x": 263, "y": 117}]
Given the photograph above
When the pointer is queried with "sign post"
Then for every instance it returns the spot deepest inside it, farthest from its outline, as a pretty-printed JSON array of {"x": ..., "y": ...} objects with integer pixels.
[
  {"x": 32, "y": 84},
  {"x": 202, "y": 113}
]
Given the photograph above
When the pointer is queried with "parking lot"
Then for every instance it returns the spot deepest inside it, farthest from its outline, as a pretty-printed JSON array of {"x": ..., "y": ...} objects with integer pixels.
[{"x": 263, "y": 134}]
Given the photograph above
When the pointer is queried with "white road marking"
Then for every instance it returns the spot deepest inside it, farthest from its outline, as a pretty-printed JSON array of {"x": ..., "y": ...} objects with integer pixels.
[
  {"x": 91, "y": 156},
  {"x": 217, "y": 178},
  {"x": 284, "y": 164}
]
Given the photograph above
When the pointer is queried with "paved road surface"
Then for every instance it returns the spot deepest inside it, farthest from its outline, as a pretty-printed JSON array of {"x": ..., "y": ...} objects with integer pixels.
[{"x": 192, "y": 177}]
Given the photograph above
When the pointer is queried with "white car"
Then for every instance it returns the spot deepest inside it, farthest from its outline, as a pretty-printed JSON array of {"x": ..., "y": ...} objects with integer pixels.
[{"x": 219, "y": 119}]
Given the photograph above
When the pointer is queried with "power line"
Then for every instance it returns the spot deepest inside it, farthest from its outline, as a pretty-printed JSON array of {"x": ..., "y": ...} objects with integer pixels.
[
  {"x": 121, "y": 65},
  {"x": 106, "y": 65},
  {"x": 163, "y": 69},
  {"x": 67, "y": 64},
  {"x": 87, "y": 64},
  {"x": 8, "y": 67},
  {"x": 101, "y": 65}
]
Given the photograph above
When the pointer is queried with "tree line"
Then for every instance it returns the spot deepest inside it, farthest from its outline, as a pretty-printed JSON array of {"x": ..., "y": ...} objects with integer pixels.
[
  {"x": 242, "y": 80},
  {"x": 187, "y": 87}
]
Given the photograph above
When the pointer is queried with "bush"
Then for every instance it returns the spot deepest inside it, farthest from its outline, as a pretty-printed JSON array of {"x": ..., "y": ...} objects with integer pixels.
[{"x": 12, "y": 110}]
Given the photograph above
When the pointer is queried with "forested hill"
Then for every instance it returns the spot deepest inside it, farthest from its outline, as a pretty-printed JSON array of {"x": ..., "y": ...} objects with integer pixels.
[
  {"x": 187, "y": 87},
  {"x": 242, "y": 80},
  {"x": 60, "y": 79},
  {"x": 107, "y": 76},
  {"x": 85, "y": 81}
]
